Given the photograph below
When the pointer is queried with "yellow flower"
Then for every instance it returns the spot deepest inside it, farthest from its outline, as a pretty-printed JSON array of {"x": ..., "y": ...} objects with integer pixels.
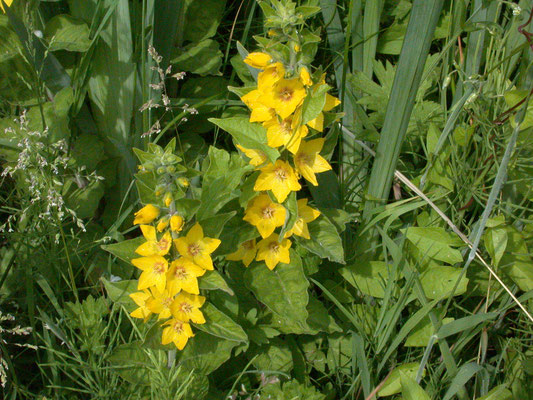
[
  {"x": 182, "y": 275},
  {"x": 258, "y": 60},
  {"x": 305, "y": 77},
  {"x": 278, "y": 177},
  {"x": 140, "y": 298},
  {"x": 308, "y": 162},
  {"x": 257, "y": 157},
  {"x": 186, "y": 307},
  {"x": 176, "y": 223},
  {"x": 260, "y": 112},
  {"x": 196, "y": 247},
  {"x": 183, "y": 181},
  {"x": 273, "y": 252},
  {"x": 154, "y": 272},
  {"x": 287, "y": 133},
  {"x": 318, "y": 122},
  {"x": 265, "y": 215},
  {"x": 306, "y": 214},
  {"x": 271, "y": 74},
  {"x": 284, "y": 96},
  {"x": 8, "y": 3},
  {"x": 162, "y": 224},
  {"x": 162, "y": 301},
  {"x": 168, "y": 199},
  {"x": 246, "y": 252},
  {"x": 146, "y": 214},
  {"x": 153, "y": 247},
  {"x": 177, "y": 332}
]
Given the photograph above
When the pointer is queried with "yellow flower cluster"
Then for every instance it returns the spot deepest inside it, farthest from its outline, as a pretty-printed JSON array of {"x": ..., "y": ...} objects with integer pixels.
[
  {"x": 171, "y": 265},
  {"x": 277, "y": 104}
]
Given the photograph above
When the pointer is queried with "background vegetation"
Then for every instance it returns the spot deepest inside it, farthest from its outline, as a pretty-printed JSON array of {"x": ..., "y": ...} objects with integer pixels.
[{"x": 427, "y": 296}]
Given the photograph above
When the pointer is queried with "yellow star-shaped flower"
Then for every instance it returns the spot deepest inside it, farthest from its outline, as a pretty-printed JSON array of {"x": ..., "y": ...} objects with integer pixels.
[
  {"x": 284, "y": 96},
  {"x": 306, "y": 214},
  {"x": 177, "y": 332},
  {"x": 265, "y": 215},
  {"x": 308, "y": 162},
  {"x": 260, "y": 112},
  {"x": 141, "y": 298},
  {"x": 287, "y": 133},
  {"x": 162, "y": 301},
  {"x": 278, "y": 177},
  {"x": 154, "y": 247},
  {"x": 197, "y": 248},
  {"x": 186, "y": 307},
  {"x": 273, "y": 252},
  {"x": 154, "y": 272},
  {"x": 257, "y": 157},
  {"x": 183, "y": 274},
  {"x": 246, "y": 252},
  {"x": 271, "y": 74}
]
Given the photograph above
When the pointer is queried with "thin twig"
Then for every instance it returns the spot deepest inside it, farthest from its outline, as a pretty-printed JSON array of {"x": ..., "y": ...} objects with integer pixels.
[{"x": 454, "y": 228}]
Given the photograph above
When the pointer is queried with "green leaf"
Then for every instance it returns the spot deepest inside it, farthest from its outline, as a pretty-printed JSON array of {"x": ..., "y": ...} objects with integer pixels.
[
  {"x": 338, "y": 217},
  {"x": 205, "y": 353},
  {"x": 212, "y": 280},
  {"x": 187, "y": 207},
  {"x": 412, "y": 390},
  {"x": 516, "y": 261},
  {"x": 213, "y": 226},
  {"x": 275, "y": 356},
  {"x": 465, "y": 373},
  {"x": 88, "y": 151},
  {"x": 370, "y": 277},
  {"x": 83, "y": 199},
  {"x": 291, "y": 205},
  {"x": 325, "y": 240},
  {"x": 119, "y": 291},
  {"x": 283, "y": 290},
  {"x": 247, "y": 134},
  {"x": 512, "y": 98},
  {"x": 202, "y": 19},
  {"x": 463, "y": 324},
  {"x": 314, "y": 103},
  {"x": 421, "y": 333},
  {"x": 133, "y": 364},
  {"x": 439, "y": 281},
  {"x": 204, "y": 58},
  {"x": 393, "y": 384},
  {"x": 125, "y": 250},
  {"x": 498, "y": 393},
  {"x": 435, "y": 243},
  {"x": 64, "y": 32},
  {"x": 220, "y": 325}
]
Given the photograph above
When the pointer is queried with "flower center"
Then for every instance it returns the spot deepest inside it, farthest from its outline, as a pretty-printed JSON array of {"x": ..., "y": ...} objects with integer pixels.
[
  {"x": 167, "y": 302},
  {"x": 248, "y": 245},
  {"x": 162, "y": 244},
  {"x": 159, "y": 268},
  {"x": 194, "y": 249},
  {"x": 286, "y": 127},
  {"x": 274, "y": 247},
  {"x": 181, "y": 273},
  {"x": 281, "y": 174},
  {"x": 178, "y": 326},
  {"x": 186, "y": 307},
  {"x": 268, "y": 212},
  {"x": 285, "y": 94}
]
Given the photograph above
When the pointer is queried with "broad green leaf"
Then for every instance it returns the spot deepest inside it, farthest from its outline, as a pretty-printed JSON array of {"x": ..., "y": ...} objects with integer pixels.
[
  {"x": 391, "y": 41},
  {"x": 465, "y": 373},
  {"x": 247, "y": 134},
  {"x": 275, "y": 356},
  {"x": 435, "y": 243},
  {"x": 412, "y": 390},
  {"x": 64, "y": 32},
  {"x": 283, "y": 290},
  {"x": 236, "y": 232},
  {"x": 220, "y": 325},
  {"x": 370, "y": 277},
  {"x": 212, "y": 280},
  {"x": 393, "y": 384},
  {"x": 420, "y": 335},
  {"x": 83, "y": 200},
  {"x": 88, "y": 151},
  {"x": 205, "y": 353},
  {"x": 516, "y": 261},
  {"x": 325, "y": 240},
  {"x": 498, "y": 393},
  {"x": 204, "y": 58},
  {"x": 125, "y": 250},
  {"x": 119, "y": 291},
  {"x": 496, "y": 241},
  {"x": 187, "y": 207},
  {"x": 314, "y": 103},
  {"x": 202, "y": 19},
  {"x": 439, "y": 281},
  {"x": 291, "y": 206},
  {"x": 213, "y": 226},
  {"x": 338, "y": 217}
]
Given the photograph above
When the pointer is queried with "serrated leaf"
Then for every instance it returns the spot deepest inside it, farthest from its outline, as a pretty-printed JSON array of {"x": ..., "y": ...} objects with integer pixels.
[{"x": 283, "y": 290}]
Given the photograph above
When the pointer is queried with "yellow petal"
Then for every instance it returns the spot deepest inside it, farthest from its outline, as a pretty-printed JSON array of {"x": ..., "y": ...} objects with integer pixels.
[{"x": 257, "y": 59}]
